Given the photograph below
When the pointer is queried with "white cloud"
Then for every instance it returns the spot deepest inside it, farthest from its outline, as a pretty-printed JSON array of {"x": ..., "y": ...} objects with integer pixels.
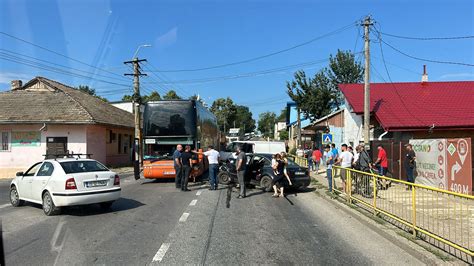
[
  {"x": 167, "y": 39},
  {"x": 457, "y": 76},
  {"x": 7, "y": 77}
]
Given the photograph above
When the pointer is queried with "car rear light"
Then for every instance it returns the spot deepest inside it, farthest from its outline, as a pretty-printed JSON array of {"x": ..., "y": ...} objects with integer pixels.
[
  {"x": 117, "y": 180},
  {"x": 71, "y": 184}
]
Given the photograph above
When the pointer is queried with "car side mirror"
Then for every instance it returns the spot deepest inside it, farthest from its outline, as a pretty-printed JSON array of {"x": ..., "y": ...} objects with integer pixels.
[{"x": 19, "y": 174}]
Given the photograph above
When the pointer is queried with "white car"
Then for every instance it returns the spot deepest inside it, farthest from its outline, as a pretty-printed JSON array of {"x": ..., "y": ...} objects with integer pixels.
[{"x": 55, "y": 183}]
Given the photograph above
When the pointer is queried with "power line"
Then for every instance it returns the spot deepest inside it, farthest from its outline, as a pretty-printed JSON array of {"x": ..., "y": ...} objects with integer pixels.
[
  {"x": 34, "y": 64},
  {"x": 419, "y": 58},
  {"x": 428, "y": 38},
  {"x": 164, "y": 81},
  {"x": 250, "y": 74},
  {"x": 266, "y": 55},
  {"x": 56, "y": 53},
  {"x": 401, "y": 98},
  {"x": 393, "y": 85},
  {"x": 19, "y": 56}
]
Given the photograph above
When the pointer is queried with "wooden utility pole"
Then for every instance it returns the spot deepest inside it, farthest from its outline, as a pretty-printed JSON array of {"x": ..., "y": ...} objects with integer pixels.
[
  {"x": 367, "y": 23},
  {"x": 136, "y": 107}
]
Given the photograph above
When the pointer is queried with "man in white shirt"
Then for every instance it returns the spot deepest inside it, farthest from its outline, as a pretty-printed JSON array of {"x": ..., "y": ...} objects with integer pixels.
[
  {"x": 345, "y": 159},
  {"x": 213, "y": 158}
]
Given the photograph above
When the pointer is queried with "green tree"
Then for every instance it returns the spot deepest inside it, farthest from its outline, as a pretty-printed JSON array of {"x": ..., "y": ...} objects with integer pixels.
[
  {"x": 282, "y": 116},
  {"x": 90, "y": 91},
  {"x": 284, "y": 135},
  {"x": 266, "y": 123},
  {"x": 320, "y": 95},
  {"x": 127, "y": 98},
  {"x": 343, "y": 69},
  {"x": 171, "y": 95},
  {"x": 243, "y": 119},
  {"x": 154, "y": 96},
  {"x": 225, "y": 111},
  {"x": 312, "y": 95}
]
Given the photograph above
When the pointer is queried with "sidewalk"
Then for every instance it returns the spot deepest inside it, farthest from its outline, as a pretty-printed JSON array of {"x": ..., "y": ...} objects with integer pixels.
[{"x": 444, "y": 215}]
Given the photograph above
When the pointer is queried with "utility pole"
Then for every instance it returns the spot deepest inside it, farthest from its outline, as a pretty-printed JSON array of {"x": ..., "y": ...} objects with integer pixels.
[
  {"x": 136, "y": 108},
  {"x": 299, "y": 128},
  {"x": 367, "y": 23}
]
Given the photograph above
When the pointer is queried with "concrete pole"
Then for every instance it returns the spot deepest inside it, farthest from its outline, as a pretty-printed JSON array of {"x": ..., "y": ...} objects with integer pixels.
[{"x": 367, "y": 23}]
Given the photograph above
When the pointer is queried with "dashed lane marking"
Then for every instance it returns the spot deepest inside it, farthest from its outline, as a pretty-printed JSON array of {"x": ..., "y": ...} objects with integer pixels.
[
  {"x": 4, "y": 206},
  {"x": 184, "y": 217},
  {"x": 193, "y": 203},
  {"x": 161, "y": 252},
  {"x": 199, "y": 192}
]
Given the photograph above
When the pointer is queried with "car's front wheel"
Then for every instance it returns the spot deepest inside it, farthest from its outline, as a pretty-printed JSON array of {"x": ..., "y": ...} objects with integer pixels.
[
  {"x": 15, "y": 197},
  {"x": 224, "y": 178},
  {"x": 266, "y": 183},
  {"x": 48, "y": 205}
]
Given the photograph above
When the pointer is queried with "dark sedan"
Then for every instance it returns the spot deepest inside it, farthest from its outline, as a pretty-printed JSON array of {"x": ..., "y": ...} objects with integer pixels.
[{"x": 259, "y": 172}]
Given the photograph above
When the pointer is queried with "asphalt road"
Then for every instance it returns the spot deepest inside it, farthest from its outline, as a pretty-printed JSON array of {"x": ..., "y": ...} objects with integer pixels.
[{"x": 154, "y": 223}]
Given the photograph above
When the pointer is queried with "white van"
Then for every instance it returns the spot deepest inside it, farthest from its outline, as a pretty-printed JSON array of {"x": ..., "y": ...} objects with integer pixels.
[{"x": 250, "y": 146}]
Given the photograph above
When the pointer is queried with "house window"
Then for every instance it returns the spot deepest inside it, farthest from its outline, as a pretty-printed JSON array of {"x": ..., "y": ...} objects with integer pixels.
[{"x": 5, "y": 137}]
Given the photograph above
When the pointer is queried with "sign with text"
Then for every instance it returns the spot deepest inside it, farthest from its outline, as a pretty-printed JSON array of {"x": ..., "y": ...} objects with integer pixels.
[
  {"x": 444, "y": 163},
  {"x": 26, "y": 138}
]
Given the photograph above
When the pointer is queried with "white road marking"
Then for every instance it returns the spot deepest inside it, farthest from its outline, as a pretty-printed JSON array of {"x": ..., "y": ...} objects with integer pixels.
[
  {"x": 4, "y": 206},
  {"x": 199, "y": 192},
  {"x": 184, "y": 217},
  {"x": 193, "y": 203},
  {"x": 161, "y": 252}
]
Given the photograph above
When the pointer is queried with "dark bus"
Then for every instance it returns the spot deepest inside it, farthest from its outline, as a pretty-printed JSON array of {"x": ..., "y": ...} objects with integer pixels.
[{"x": 169, "y": 123}]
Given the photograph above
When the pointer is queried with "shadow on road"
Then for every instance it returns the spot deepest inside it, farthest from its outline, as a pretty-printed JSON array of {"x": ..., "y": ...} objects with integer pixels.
[{"x": 122, "y": 204}]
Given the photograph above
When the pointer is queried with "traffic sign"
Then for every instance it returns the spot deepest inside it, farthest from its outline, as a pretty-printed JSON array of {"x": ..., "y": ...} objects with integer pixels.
[{"x": 327, "y": 138}]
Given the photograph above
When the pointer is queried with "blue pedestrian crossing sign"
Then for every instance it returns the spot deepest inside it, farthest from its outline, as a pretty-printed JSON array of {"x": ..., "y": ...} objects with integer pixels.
[{"x": 327, "y": 138}]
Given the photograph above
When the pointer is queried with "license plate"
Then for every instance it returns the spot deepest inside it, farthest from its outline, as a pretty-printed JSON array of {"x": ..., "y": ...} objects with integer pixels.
[
  {"x": 300, "y": 173},
  {"x": 101, "y": 183},
  {"x": 169, "y": 173}
]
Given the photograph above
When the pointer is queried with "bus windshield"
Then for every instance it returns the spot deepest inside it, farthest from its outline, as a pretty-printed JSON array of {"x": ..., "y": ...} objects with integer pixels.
[{"x": 169, "y": 118}]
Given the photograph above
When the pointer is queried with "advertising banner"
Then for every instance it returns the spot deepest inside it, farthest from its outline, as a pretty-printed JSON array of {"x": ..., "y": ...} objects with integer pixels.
[
  {"x": 430, "y": 162},
  {"x": 444, "y": 163},
  {"x": 26, "y": 138}
]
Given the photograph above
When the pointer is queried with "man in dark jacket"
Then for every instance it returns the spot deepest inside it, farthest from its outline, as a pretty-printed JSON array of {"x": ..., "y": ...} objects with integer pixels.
[{"x": 410, "y": 164}]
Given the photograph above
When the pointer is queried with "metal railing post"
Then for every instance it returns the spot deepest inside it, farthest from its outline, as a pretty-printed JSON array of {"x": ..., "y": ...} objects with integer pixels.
[
  {"x": 375, "y": 194},
  {"x": 413, "y": 206},
  {"x": 349, "y": 185}
]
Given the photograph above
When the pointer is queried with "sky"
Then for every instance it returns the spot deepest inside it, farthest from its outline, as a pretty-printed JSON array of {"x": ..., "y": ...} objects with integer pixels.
[{"x": 88, "y": 41}]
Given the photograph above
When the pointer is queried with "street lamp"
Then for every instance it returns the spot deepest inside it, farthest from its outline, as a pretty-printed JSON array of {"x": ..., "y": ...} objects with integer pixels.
[{"x": 138, "y": 49}]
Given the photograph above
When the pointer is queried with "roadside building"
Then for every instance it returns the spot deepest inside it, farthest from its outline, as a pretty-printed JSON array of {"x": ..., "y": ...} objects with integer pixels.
[
  {"x": 47, "y": 117},
  {"x": 279, "y": 126},
  {"x": 412, "y": 112},
  {"x": 332, "y": 125}
]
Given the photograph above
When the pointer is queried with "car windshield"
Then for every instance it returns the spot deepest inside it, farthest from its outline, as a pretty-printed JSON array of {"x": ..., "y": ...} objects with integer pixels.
[{"x": 82, "y": 167}]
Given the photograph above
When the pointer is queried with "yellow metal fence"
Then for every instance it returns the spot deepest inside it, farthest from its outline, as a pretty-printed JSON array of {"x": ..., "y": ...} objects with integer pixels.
[{"x": 442, "y": 215}]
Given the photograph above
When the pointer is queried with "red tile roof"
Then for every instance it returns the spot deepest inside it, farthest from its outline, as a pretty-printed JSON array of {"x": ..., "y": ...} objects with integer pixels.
[{"x": 416, "y": 105}]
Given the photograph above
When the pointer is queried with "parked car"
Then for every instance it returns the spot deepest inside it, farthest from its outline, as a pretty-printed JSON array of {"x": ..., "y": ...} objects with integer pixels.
[
  {"x": 55, "y": 183},
  {"x": 259, "y": 172},
  {"x": 250, "y": 146}
]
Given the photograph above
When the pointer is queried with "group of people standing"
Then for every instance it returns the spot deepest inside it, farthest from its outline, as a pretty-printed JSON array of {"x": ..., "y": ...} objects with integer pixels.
[
  {"x": 183, "y": 163},
  {"x": 361, "y": 160}
]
